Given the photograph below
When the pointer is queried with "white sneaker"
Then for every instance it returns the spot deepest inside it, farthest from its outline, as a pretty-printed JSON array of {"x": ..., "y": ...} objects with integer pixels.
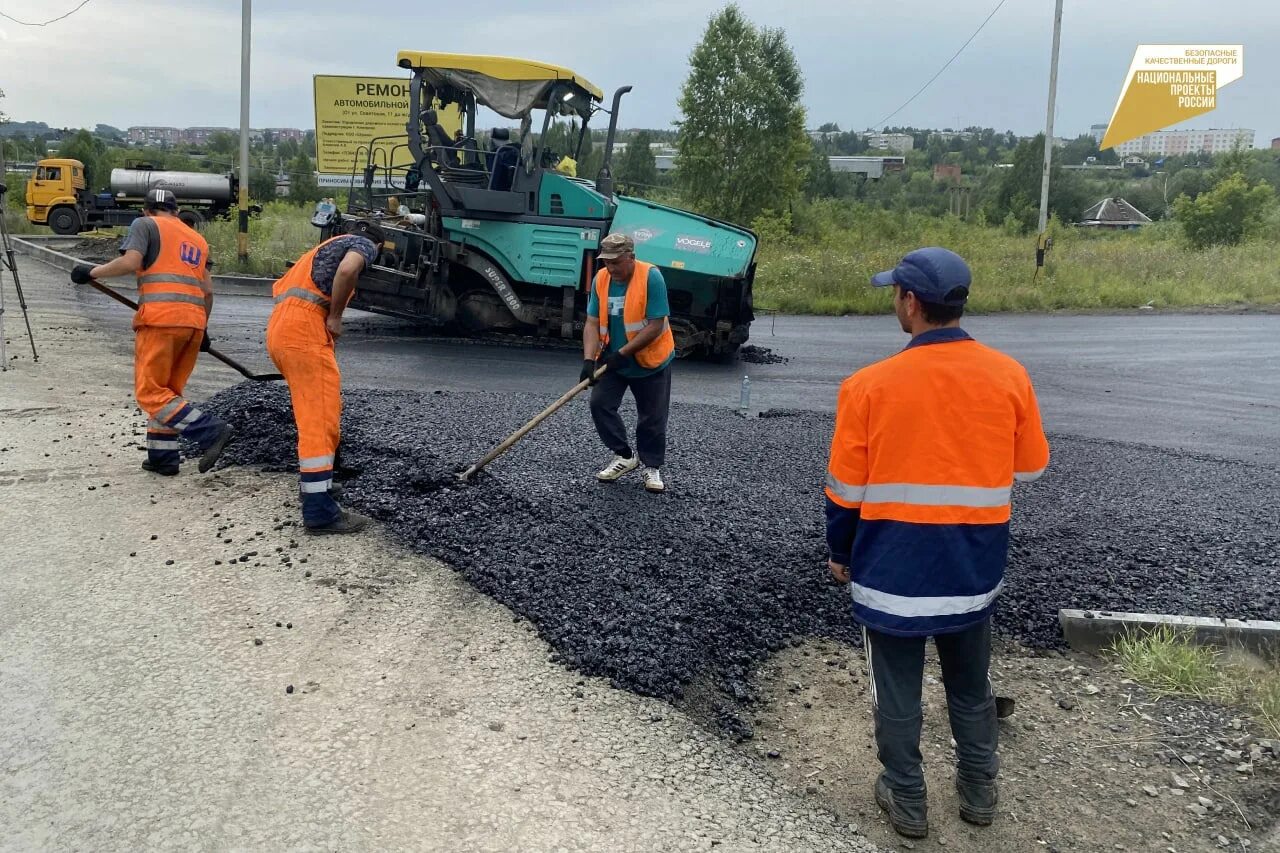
[
  {"x": 617, "y": 468},
  {"x": 653, "y": 480}
]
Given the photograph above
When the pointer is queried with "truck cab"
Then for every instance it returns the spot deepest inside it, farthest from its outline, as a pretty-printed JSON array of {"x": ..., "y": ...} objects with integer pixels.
[{"x": 55, "y": 194}]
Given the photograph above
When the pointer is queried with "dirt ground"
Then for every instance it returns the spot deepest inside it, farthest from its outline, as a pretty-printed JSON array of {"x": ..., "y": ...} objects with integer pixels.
[{"x": 1090, "y": 761}]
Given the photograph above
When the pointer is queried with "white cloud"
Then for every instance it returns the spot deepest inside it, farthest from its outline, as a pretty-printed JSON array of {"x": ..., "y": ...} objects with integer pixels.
[{"x": 126, "y": 62}]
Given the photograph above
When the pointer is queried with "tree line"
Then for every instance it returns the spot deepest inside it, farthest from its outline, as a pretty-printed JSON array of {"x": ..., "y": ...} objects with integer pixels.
[{"x": 744, "y": 154}]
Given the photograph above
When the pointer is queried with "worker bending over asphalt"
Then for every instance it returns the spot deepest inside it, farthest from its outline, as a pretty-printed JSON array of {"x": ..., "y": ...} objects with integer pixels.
[
  {"x": 628, "y": 329},
  {"x": 305, "y": 324},
  {"x": 175, "y": 297},
  {"x": 927, "y": 446}
]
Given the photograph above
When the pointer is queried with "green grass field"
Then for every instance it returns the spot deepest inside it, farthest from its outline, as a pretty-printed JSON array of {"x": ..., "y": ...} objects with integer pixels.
[{"x": 827, "y": 272}]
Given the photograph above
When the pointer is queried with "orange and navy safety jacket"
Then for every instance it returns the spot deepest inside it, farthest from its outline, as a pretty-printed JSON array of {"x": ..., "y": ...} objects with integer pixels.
[
  {"x": 633, "y": 316},
  {"x": 169, "y": 291},
  {"x": 927, "y": 446},
  {"x": 296, "y": 284}
]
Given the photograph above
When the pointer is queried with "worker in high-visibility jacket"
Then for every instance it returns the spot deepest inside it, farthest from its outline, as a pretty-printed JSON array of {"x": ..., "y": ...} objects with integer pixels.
[
  {"x": 175, "y": 297},
  {"x": 927, "y": 446},
  {"x": 305, "y": 324},
  {"x": 628, "y": 329}
]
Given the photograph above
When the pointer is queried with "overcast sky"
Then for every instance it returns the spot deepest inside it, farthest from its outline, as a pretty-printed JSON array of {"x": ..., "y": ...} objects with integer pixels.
[{"x": 177, "y": 62}]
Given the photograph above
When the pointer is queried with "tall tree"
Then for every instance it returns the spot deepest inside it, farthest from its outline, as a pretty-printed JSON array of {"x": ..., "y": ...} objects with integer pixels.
[
  {"x": 742, "y": 143},
  {"x": 637, "y": 168},
  {"x": 92, "y": 152},
  {"x": 1018, "y": 193},
  {"x": 302, "y": 180}
]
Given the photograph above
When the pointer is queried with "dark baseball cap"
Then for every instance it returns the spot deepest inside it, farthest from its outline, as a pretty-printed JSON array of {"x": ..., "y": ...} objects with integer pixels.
[
  {"x": 161, "y": 199},
  {"x": 933, "y": 274}
]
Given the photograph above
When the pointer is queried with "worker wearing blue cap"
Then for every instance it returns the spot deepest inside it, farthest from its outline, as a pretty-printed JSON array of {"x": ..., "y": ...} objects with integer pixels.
[{"x": 927, "y": 446}]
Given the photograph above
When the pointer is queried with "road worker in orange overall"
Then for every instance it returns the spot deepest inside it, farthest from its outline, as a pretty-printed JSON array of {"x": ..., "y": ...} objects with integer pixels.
[
  {"x": 304, "y": 326},
  {"x": 171, "y": 262}
]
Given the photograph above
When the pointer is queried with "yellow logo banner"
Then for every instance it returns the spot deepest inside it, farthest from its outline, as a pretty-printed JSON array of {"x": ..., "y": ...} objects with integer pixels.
[{"x": 1168, "y": 84}]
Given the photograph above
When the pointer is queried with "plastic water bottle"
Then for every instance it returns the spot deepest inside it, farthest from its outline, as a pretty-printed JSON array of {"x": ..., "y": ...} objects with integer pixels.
[{"x": 744, "y": 396}]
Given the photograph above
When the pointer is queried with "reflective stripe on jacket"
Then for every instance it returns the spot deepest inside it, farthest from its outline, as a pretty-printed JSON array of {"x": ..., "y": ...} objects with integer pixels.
[
  {"x": 169, "y": 291},
  {"x": 296, "y": 284},
  {"x": 927, "y": 446},
  {"x": 634, "y": 308}
]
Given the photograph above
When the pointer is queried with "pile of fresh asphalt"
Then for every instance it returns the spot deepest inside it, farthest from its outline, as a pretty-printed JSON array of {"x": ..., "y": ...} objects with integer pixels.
[{"x": 697, "y": 585}]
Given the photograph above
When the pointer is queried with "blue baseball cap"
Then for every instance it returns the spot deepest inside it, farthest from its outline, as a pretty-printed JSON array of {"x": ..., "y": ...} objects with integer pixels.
[{"x": 933, "y": 274}]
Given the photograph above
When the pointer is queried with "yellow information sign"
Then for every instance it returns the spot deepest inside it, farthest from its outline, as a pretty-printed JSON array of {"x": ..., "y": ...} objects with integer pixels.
[
  {"x": 1168, "y": 84},
  {"x": 352, "y": 111}
]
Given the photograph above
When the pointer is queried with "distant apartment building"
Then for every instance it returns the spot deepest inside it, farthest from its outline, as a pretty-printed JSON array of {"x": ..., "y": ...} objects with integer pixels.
[
  {"x": 1097, "y": 131},
  {"x": 202, "y": 135},
  {"x": 899, "y": 142},
  {"x": 1171, "y": 143},
  {"x": 155, "y": 135},
  {"x": 1275, "y": 143}
]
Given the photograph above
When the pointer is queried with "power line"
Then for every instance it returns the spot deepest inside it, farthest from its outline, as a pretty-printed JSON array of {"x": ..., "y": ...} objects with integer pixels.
[
  {"x": 83, "y": 3},
  {"x": 882, "y": 121}
]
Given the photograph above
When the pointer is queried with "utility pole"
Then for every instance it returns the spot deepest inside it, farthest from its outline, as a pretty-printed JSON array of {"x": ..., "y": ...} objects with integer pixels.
[
  {"x": 1042, "y": 242},
  {"x": 242, "y": 238}
]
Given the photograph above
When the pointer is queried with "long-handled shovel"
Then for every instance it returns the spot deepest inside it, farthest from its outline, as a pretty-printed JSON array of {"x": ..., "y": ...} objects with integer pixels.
[
  {"x": 225, "y": 359},
  {"x": 510, "y": 440}
]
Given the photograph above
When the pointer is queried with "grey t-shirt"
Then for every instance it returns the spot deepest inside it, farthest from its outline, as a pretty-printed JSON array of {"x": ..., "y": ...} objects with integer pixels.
[{"x": 144, "y": 237}]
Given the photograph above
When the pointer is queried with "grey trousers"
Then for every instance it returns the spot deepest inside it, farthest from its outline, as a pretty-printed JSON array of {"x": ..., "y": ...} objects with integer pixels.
[
  {"x": 897, "y": 669},
  {"x": 653, "y": 402}
]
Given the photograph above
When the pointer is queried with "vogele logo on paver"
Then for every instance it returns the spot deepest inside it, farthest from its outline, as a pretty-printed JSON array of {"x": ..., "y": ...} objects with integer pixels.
[
  {"x": 693, "y": 244},
  {"x": 1168, "y": 84}
]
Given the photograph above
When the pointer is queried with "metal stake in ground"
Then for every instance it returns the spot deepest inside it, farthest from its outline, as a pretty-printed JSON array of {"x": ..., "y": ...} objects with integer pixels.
[
  {"x": 225, "y": 359},
  {"x": 7, "y": 260},
  {"x": 510, "y": 440}
]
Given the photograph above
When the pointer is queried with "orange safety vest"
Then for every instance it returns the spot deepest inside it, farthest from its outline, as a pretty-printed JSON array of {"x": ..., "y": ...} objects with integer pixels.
[
  {"x": 633, "y": 315},
  {"x": 927, "y": 446},
  {"x": 170, "y": 290},
  {"x": 297, "y": 284}
]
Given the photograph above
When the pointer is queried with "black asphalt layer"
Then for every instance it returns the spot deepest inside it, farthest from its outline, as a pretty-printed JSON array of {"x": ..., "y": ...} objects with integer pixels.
[{"x": 659, "y": 592}]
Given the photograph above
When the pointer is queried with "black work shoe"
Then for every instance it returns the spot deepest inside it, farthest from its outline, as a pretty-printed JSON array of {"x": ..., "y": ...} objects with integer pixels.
[
  {"x": 348, "y": 522},
  {"x": 214, "y": 450},
  {"x": 909, "y": 816},
  {"x": 977, "y": 801},
  {"x": 164, "y": 470}
]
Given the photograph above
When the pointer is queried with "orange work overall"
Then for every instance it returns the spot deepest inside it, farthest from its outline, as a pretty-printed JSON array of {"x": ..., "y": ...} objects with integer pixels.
[
  {"x": 169, "y": 328},
  {"x": 302, "y": 349}
]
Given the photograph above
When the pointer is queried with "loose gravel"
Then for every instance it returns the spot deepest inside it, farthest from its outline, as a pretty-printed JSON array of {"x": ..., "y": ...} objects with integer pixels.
[{"x": 661, "y": 593}]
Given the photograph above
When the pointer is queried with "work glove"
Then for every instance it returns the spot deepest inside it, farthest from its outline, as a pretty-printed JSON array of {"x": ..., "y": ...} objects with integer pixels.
[
  {"x": 617, "y": 361},
  {"x": 204, "y": 342},
  {"x": 588, "y": 373},
  {"x": 80, "y": 273}
]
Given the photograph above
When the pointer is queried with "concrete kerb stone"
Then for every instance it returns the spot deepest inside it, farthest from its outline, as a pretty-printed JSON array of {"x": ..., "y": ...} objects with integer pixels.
[
  {"x": 1094, "y": 631},
  {"x": 45, "y": 248}
]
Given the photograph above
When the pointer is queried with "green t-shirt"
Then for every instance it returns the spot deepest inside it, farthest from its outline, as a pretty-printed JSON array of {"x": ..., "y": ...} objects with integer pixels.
[{"x": 656, "y": 308}]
